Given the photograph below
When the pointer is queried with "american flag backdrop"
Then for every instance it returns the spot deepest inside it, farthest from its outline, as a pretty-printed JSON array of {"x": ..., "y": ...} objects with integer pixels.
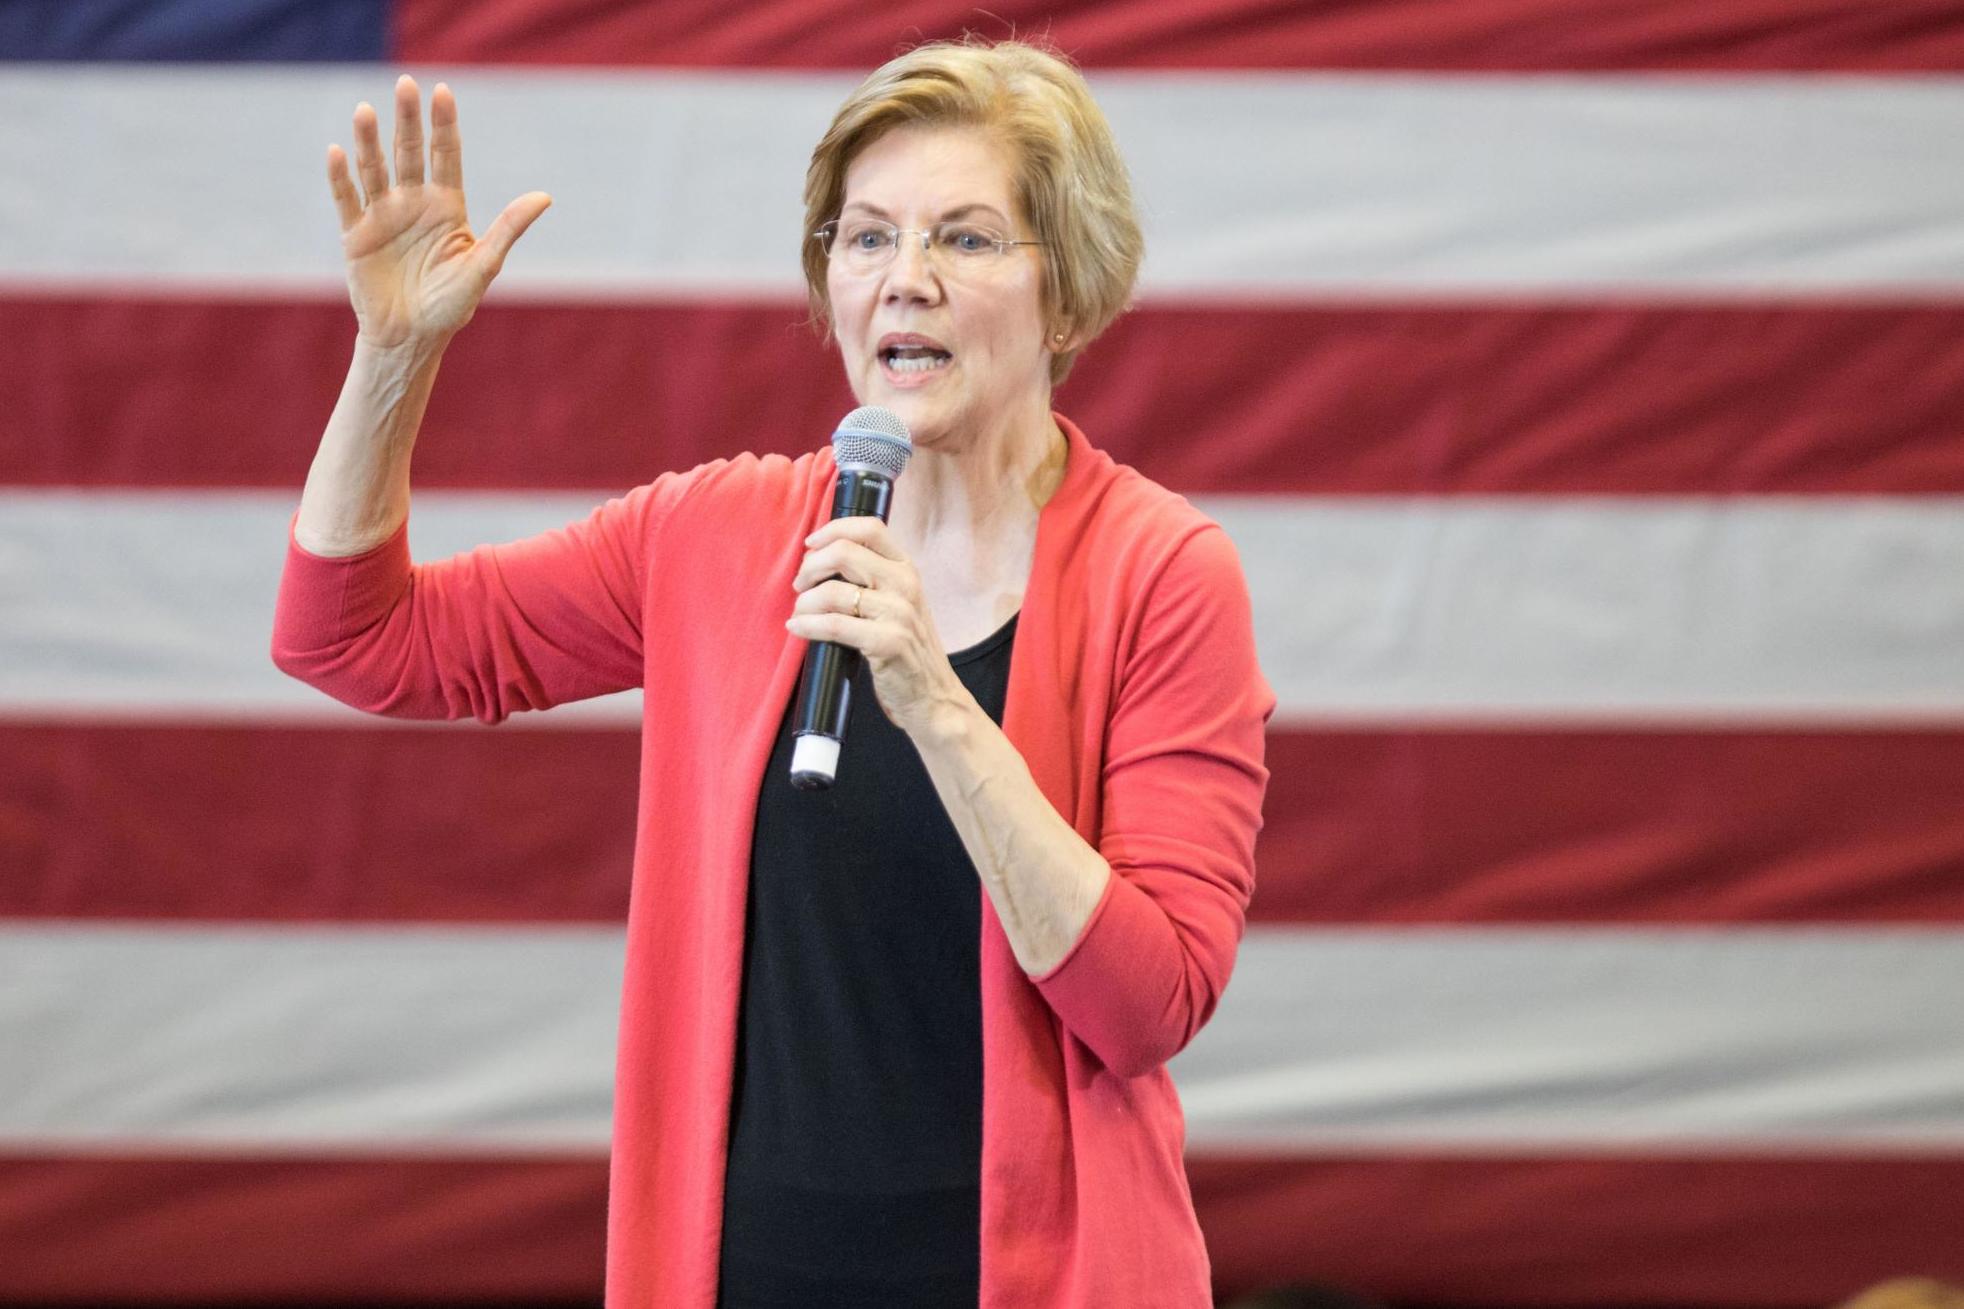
[{"x": 1583, "y": 386}]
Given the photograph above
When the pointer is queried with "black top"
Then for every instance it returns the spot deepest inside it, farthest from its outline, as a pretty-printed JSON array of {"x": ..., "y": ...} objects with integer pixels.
[{"x": 856, "y": 1120}]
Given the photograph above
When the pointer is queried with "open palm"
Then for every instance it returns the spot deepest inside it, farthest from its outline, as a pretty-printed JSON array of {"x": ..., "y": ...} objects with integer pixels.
[{"x": 415, "y": 271}]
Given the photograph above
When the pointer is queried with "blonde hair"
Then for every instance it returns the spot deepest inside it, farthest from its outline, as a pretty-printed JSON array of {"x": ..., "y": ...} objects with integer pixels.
[{"x": 1067, "y": 173}]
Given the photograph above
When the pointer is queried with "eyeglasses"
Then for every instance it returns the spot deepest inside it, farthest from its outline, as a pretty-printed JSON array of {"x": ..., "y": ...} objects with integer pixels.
[{"x": 865, "y": 245}]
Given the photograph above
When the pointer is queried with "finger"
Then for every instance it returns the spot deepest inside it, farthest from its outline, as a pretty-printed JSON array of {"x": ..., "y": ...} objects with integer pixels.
[
  {"x": 497, "y": 240},
  {"x": 865, "y": 529},
  {"x": 847, "y": 559},
  {"x": 842, "y": 629},
  {"x": 347, "y": 201},
  {"x": 446, "y": 144},
  {"x": 820, "y": 564},
  {"x": 409, "y": 132},
  {"x": 838, "y": 597},
  {"x": 368, "y": 153}
]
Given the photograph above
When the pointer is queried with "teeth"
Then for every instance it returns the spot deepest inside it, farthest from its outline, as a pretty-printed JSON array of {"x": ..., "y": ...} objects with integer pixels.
[{"x": 916, "y": 363}]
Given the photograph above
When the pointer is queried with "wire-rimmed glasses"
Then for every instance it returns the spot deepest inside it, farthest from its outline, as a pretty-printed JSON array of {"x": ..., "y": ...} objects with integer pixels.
[{"x": 865, "y": 245}]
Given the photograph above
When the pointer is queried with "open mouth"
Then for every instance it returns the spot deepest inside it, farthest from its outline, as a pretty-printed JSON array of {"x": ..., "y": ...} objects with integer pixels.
[{"x": 914, "y": 358}]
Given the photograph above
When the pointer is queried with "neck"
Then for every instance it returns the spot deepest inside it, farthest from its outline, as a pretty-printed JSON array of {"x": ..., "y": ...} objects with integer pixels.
[{"x": 982, "y": 488}]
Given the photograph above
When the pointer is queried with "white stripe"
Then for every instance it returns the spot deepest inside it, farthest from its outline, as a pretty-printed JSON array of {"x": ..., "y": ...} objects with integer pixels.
[
  {"x": 1570, "y": 1040},
  {"x": 1760, "y": 609},
  {"x": 1505, "y": 610},
  {"x": 1251, "y": 184},
  {"x": 467, "y": 1039},
  {"x": 455, "y": 1038},
  {"x": 135, "y": 604}
]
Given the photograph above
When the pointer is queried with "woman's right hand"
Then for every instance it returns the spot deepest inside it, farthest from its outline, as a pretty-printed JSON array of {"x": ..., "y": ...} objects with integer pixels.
[{"x": 415, "y": 272}]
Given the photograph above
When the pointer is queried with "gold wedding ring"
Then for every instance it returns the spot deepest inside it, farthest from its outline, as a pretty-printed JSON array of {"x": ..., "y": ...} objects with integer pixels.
[{"x": 857, "y": 593}]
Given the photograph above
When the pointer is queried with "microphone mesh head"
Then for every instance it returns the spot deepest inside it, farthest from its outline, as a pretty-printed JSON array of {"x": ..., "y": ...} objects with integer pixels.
[{"x": 874, "y": 438}]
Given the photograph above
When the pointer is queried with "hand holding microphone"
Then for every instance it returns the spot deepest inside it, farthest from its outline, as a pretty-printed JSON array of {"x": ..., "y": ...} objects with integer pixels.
[{"x": 871, "y": 448}]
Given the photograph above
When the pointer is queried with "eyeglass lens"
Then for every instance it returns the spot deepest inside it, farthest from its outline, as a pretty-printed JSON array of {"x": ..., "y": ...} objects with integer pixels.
[{"x": 867, "y": 243}]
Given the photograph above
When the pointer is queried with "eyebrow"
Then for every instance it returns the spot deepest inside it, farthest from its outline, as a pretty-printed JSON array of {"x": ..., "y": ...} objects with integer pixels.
[{"x": 959, "y": 211}]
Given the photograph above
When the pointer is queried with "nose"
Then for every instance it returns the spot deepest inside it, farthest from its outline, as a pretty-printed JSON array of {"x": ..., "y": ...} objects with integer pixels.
[{"x": 911, "y": 277}]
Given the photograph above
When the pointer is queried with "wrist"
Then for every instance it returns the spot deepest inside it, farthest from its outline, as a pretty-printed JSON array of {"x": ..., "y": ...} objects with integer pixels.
[
  {"x": 407, "y": 356},
  {"x": 951, "y": 721}
]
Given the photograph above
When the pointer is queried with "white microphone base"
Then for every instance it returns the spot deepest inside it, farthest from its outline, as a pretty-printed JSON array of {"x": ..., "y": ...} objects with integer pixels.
[{"x": 814, "y": 761}]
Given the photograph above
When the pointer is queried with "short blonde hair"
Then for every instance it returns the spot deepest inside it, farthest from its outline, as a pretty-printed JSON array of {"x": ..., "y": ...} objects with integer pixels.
[{"x": 1068, "y": 175}]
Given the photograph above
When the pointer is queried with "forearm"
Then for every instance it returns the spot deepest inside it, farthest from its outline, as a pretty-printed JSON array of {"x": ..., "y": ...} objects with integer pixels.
[
  {"x": 1042, "y": 877},
  {"x": 357, "y": 491}
]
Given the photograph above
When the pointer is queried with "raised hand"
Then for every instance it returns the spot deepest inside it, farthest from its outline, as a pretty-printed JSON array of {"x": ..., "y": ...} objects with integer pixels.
[{"x": 415, "y": 272}]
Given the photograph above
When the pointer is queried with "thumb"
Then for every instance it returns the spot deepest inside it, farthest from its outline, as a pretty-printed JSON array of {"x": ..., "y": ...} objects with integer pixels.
[{"x": 505, "y": 230}]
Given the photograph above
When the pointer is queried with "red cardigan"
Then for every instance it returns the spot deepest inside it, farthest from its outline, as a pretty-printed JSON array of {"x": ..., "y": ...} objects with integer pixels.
[{"x": 1134, "y": 697}]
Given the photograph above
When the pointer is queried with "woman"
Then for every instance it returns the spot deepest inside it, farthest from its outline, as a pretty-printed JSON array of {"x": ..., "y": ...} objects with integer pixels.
[{"x": 859, "y": 1080}]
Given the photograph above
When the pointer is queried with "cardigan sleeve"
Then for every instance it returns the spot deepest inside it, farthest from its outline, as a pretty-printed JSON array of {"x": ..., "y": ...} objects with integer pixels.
[
  {"x": 486, "y": 633},
  {"x": 1183, "y": 783}
]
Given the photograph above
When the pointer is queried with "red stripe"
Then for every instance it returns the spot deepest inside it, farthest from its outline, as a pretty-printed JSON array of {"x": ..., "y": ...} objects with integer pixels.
[
  {"x": 1496, "y": 398},
  {"x": 1449, "y": 35},
  {"x": 1615, "y": 827},
  {"x": 1367, "y": 827},
  {"x": 385, "y": 1229},
  {"x": 1422, "y": 1229},
  {"x": 284, "y": 823},
  {"x": 1706, "y": 1231}
]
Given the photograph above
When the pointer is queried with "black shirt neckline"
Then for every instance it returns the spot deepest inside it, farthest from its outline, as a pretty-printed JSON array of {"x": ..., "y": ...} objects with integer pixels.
[{"x": 987, "y": 644}]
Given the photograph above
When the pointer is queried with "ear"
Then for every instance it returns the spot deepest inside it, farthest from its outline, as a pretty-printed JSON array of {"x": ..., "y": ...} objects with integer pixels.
[{"x": 1060, "y": 340}]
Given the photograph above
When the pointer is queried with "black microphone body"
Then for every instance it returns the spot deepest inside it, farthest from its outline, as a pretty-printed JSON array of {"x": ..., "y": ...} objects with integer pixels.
[
  {"x": 825, "y": 687},
  {"x": 818, "y": 724}
]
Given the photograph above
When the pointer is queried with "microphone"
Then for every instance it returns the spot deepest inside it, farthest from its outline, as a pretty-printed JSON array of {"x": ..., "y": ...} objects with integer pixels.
[{"x": 871, "y": 447}]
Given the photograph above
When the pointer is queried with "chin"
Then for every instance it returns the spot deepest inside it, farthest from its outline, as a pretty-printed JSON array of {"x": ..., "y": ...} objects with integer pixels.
[
  {"x": 931, "y": 413},
  {"x": 926, "y": 417},
  {"x": 925, "y": 429}
]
